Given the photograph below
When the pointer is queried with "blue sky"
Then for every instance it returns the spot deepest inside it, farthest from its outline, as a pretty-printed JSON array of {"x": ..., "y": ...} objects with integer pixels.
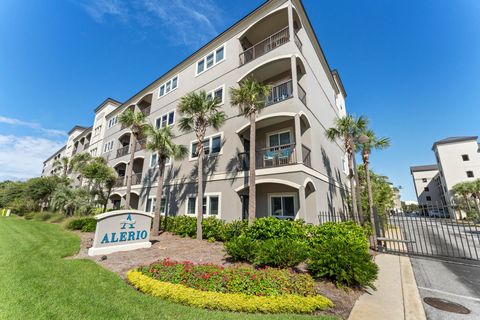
[{"x": 412, "y": 67}]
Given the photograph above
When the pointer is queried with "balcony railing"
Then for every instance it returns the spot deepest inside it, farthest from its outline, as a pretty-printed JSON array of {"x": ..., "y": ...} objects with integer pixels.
[
  {"x": 120, "y": 182},
  {"x": 146, "y": 111},
  {"x": 136, "y": 178},
  {"x": 141, "y": 144},
  {"x": 272, "y": 42},
  {"x": 123, "y": 151},
  {"x": 86, "y": 145},
  {"x": 279, "y": 93},
  {"x": 297, "y": 41},
  {"x": 306, "y": 154},
  {"x": 302, "y": 95},
  {"x": 269, "y": 157}
]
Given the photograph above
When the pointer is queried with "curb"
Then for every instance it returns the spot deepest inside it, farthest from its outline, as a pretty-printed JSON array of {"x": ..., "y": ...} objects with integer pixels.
[{"x": 412, "y": 302}]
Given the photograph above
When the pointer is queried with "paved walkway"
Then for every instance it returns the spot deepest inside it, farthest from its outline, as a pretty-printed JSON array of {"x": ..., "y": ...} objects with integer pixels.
[{"x": 396, "y": 297}]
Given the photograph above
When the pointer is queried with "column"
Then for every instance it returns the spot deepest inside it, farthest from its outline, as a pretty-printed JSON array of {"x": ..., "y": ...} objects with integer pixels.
[
  {"x": 291, "y": 31},
  {"x": 302, "y": 212},
  {"x": 298, "y": 140},
  {"x": 293, "y": 62}
]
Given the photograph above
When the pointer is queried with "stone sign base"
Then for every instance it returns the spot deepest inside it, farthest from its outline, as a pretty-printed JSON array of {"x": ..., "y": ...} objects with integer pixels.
[{"x": 124, "y": 247}]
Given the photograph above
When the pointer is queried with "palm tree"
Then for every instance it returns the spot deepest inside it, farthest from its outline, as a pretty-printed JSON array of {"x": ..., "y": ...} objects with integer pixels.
[
  {"x": 62, "y": 164},
  {"x": 200, "y": 112},
  {"x": 348, "y": 129},
  {"x": 367, "y": 143},
  {"x": 78, "y": 162},
  {"x": 250, "y": 98},
  {"x": 463, "y": 189},
  {"x": 160, "y": 141},
  {"x": 136, "y": 122}
]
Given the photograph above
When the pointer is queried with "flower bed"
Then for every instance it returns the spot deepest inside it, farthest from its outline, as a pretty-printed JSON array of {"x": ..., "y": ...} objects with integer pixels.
[
  {"x": 245, "y": 280},
  {"x": 237, "y": 302}
]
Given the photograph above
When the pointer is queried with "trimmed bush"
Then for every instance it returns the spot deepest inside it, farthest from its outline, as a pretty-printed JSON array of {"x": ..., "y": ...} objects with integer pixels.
[
  {"x": 213, "y": 229},
  {"x": 235, "y": 302},
  {"x": 235, "y": 229},
  {"x": 246, "y": 280},
  {"x": 281, "y": 253},
  {"x": 184, "y": 226},
  {"x": 242, "y": 248},
  {"x": 85, "y": 224},
  {"x": 339, "y": 251},
  {"x": 273, "y": 228}
]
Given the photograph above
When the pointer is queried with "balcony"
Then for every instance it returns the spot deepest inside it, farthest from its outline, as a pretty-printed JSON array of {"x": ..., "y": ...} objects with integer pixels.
[
  {"x": 123, "y": 151},
  {"x": 141, "y": 144},
  {"x": 270, "y": 43},
  {"x": 146, "y": 111},
  {"x": 120, "y": 182},
  {"x": 136, "y": 178},
  {"x": 307, "y": 160},
  {"x": 302, "y": 95},
  {"x": 269, "y": 157},
  {"x": 279, "y": 93}
]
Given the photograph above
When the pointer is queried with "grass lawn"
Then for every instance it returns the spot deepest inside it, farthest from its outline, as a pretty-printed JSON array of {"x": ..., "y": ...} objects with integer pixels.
[{"x": 37, "y": 283}]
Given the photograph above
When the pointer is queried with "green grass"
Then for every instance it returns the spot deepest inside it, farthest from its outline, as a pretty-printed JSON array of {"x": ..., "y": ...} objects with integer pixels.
[{"x": 37, "y": 283}]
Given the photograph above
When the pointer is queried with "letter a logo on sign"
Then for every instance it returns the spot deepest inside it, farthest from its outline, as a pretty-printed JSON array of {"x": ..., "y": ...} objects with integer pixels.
[{"x": 129, "y": 221}]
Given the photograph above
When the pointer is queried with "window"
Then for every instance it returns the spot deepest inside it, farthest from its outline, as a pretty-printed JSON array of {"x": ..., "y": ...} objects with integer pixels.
[
  {"x": 153, "y": 160},
  {"x": 210, "y": 205},
  {"x": 424, "y": 179},
  {"x": 279, "y": 139},
  {"x": 113, "y": 121},
  {"x": 168, "y": 86},
  {"x": 150, "y": 206},
  {"x": 426, "y": 189},
  {"x": 167, "y": 119},
  {"x": 470, "y": 174},
  {"x": 108, "y": 146},
  {"x": 465, "y": 157},
  {"x": 211, "y": 146},
  {"x": 210, "y": 60},
  {"x": 428, "y": 198},
  {"x": 282, "y": 205},
  {"x": 217, "y": 93},
  {"x": 97, "y": 130},
  {"x": 93, "y": 152}
]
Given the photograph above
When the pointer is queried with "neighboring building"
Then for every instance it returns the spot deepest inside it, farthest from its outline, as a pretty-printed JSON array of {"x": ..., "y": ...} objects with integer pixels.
[
  {"x": 458, "y": 160},
  {"x": 299, "y": 171},
  {"x": 397, "y": 202}
]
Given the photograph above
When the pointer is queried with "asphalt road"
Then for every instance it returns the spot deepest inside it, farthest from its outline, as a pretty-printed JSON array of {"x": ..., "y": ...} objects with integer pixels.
[{"x": 453, "y": 281}]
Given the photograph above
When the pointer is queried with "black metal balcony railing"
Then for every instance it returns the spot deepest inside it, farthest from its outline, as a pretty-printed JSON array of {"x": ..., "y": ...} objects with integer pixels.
[
  {"x": 136, "y": 178},
  {"x": 306, "y": 154},
  {"x": 272, "y": 42},
  {"x": 302, "y": 95},
  {"x": 123, "y": 151},
  {"x": 280, "y": 92},
  {"x": 269, "y": 157},
  {"x": 297, "y": 42}
]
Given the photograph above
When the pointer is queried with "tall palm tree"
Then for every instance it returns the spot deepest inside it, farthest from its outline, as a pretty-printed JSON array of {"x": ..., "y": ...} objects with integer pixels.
[
  {"x": 136, "y": 122},
  {"x": 161, "y": 142},
  {"x": 463, "y": 189},
  {"x": 370, "y": 142},
  {"x": 62, "y": 164},
  {"x": 250, "y": 98},
  {"x": 199, "y": 113},
  {"x": 348, "y": 129}
]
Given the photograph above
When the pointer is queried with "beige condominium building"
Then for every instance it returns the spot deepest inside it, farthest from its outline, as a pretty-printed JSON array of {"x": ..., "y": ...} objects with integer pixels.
[
  {"x": 299, "y": 173},
  {"x": 458, "y": 160}
]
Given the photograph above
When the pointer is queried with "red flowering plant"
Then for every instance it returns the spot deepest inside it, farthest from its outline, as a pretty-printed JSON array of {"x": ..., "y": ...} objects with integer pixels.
[{"x": 246, "y": 280}]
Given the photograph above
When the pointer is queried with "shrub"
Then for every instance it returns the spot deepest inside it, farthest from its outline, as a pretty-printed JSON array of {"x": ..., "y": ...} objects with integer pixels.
[
  {"x": 56, "y": 217},
  {"x": 85, "y": 224},
  {"x": 235, "y": 229},
  {"x": 236, "y": 302},
  {"x": 273, "y": 228},
  {"x": 242, "y": 248},
  {"x": 246, "y": 280},
  {"x": 339, "y": 251},
  {"x": 213, "y": 229},
  {"x": 29, "y": 215},
  {"x": 282, "y": 253},
  {"x": 42, "y": 216}
]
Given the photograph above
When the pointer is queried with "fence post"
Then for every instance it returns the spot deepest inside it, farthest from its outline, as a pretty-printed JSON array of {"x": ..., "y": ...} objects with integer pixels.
[{"x": 376, "y": 229}]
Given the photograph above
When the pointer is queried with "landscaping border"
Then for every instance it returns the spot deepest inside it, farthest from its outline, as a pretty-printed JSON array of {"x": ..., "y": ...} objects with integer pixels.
[{"x": 235, "y": 302}]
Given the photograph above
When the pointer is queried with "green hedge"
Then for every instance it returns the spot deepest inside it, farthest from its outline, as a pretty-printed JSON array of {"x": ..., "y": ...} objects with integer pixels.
[{"x": 84, "y": 224}]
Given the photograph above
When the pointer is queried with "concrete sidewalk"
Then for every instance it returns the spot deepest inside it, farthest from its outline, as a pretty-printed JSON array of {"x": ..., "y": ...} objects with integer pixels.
[{"x": 396, "y": 297}]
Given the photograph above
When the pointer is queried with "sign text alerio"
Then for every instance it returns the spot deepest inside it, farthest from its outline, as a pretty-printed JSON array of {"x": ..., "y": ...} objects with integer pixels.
[{"x": 121, "y": 230}]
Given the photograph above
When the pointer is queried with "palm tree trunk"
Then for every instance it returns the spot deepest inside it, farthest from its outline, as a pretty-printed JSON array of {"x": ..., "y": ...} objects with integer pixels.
[
  {"x": 370, "y": 202},
  {"x": 158, "y": 200},
  {"x": 352, "y": 186},
  {"x": 200, "y": 190},
  {"x": 133, "y": 146},
  {"x": 105, "y": 202},
  {"x": 252, "y": 191},
  {"x": 357, "y": 187}
]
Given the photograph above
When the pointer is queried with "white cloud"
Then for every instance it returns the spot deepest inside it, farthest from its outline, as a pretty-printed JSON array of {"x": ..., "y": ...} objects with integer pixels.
[
  {"x": 189, "y": 23},
  {"x": 22, "y": 157},
  {"x": 32, "y": 125}
]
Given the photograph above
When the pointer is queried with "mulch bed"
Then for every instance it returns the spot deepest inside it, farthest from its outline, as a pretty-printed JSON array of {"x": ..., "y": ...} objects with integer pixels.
[{"x": 168, "y": 245}]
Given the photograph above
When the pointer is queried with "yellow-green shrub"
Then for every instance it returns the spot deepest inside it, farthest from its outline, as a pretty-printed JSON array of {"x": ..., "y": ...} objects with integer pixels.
[{"x": 227, "y": 301}]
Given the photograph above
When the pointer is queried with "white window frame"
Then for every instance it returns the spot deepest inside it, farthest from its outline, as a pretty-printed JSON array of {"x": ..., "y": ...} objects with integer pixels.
[
  {"x": 166, "y": 114},
  {"x": 97, "y": 130},
  {"x": 164, "y": 85},
  {"x": 215, "y": 62},
  {"x": 112, "y": 122},
  {"x": 278, "y": 132},
  {"x": 210, "y": 139},
  {"x": 207, "y": 213},
  {"x": 110, "y": 148},
  {"x": 212, "y": 92},
  {"x": 153, "y": 203},
  {"x": 283, "y": 194},
  {"x": 169, "y": 161},
  {"x": 93, "y": 152}
]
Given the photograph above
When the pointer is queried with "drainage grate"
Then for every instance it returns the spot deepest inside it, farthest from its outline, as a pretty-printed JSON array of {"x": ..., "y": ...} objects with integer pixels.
[{"x": 446, "y": 305}]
